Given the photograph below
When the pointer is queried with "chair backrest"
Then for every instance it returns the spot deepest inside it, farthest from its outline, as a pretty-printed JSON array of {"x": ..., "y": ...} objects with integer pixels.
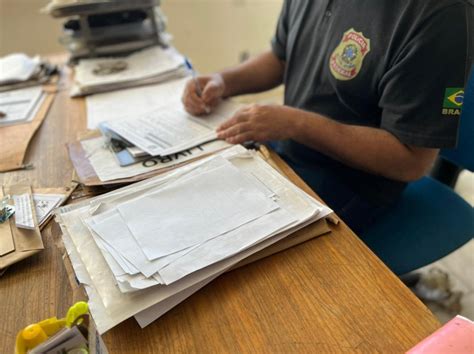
[{"x": 463, "y": 154}]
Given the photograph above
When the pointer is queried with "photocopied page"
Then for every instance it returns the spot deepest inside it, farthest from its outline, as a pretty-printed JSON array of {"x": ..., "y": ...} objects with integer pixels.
[
  {"x": 20, "y": 106},
  {"x": 171, "y": 129},
  {"x": 132, "y": 102},
  {"x": 163, "y": 131}
]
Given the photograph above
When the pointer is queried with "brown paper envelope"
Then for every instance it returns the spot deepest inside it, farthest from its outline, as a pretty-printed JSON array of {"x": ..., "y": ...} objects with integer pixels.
[
  {"x": 25, "y": 242},
  {"x": 17, "y": 137},
  {"x": 6, "y": 239},
  {"x": 81, "y": 164},
  {"x": 307, "y": 233}
]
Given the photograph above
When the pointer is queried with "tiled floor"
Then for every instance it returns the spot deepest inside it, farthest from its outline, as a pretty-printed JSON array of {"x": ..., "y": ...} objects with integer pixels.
[{"x": 459, "y": 264}]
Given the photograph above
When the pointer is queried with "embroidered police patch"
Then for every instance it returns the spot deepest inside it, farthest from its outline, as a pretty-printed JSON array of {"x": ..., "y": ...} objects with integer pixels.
[
  {"x": 453, "y": 99},
  {"x": 347, "y": 58}
]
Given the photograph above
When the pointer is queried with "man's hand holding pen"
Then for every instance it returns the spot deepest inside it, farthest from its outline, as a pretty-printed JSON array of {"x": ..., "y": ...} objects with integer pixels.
[{"x": 203, "y": 93}]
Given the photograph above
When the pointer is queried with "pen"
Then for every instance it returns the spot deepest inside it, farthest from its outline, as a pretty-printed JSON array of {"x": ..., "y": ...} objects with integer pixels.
[{"x": 196, "y": 82}]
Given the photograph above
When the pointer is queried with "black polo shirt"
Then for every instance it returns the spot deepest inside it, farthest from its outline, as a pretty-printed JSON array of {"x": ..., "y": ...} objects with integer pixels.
[{"x": 398, "y": 65}]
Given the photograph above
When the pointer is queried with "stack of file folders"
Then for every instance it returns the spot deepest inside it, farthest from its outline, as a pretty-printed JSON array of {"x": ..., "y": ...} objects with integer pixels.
[
  {"x": 94, "y": 28},
  {"x": 147, "y": 66},
  {"x": 142, "y": 249}
]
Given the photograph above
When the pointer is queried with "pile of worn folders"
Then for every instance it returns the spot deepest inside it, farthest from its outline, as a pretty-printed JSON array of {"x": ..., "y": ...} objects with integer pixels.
[
  {"x": 147, "y": 66},
  {"x": 142, "y": 249}
]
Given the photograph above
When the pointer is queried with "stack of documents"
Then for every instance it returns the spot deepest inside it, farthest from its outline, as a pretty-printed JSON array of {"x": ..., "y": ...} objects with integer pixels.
[
  {"x": 151, "y": 245},
  {"x": 167, "y": 130},
  {"x": 21, "y": 105},
  {"x": 157, "y": 134},
  {"x": 147, "y": 66}
]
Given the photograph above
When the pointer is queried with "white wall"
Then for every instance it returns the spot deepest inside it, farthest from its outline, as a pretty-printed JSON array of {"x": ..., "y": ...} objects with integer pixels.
[{"x": 212, "y": 33}]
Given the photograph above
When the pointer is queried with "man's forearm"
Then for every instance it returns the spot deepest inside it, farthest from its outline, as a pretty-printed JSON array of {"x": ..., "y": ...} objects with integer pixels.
[
  {"x": 370, "y": 149},
  {"x": 258, "y": 74}
]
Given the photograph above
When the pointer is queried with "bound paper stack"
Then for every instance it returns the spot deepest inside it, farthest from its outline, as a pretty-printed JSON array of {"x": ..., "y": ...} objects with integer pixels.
[
  {"x": 147, "y": 66},
  {"x": 150, "y": 245}
]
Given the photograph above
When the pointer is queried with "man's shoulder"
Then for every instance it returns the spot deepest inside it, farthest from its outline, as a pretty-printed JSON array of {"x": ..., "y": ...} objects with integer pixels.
[{"x": 439, "y": 7}]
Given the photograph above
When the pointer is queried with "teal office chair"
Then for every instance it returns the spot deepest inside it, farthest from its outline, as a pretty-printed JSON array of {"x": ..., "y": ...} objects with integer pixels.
[{"x": 431, "y": 220}]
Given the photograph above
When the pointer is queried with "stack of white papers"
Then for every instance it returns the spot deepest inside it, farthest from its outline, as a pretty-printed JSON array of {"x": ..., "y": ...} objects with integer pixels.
[
  {"x": 151, "y": 245},
  {"x": 153, "y": 120},
  {"x": 147, "y": 66}
]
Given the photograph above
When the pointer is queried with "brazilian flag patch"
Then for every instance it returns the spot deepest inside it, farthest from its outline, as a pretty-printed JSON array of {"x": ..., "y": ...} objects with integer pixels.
[{"x": 453, "y": 99}]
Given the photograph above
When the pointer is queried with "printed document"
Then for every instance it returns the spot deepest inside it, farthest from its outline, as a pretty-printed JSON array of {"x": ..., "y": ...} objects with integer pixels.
[
  {"x": 20, "y": 106},
  {"x": 171, "y": 129},
  {"x": 132, "y": 102}
]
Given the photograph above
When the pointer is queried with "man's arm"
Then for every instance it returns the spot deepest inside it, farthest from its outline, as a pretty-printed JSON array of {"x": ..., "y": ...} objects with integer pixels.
[
  {"x": 258, "y": 74},
  {"x": 370, "y": 149}
]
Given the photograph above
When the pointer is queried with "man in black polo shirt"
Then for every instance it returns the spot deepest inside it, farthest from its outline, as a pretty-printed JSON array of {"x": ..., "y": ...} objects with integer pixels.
[{"x": 372, "y": 90}]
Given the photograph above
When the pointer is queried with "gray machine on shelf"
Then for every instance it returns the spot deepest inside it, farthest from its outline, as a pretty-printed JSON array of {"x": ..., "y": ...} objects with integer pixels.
[{"x": 109, "y": 27}]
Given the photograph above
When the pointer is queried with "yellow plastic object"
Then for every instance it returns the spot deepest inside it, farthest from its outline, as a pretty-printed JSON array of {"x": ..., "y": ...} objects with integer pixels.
[
  {"x": 52, "y": 325},
  {"x": 37, "y": 333},
  {"x": 77, "y": 310},
  {"x": 33, "y": 335}
]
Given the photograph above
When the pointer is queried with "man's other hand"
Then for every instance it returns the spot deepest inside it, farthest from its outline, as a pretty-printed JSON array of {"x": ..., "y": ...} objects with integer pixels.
[
  {"x": 257, "y": 123},
  {"x": 212, "y": 87}
]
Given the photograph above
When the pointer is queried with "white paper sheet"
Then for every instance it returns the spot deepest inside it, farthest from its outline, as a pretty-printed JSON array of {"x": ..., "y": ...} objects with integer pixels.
[
  {"x": 116, "y": 262},
  {"x": 133, "y": 102},
  {"x": 227, "y": 245},
  {"x": 116, "y": 233},
  {"x": 163, "y": 132},
  {"x": 146, "y": 317},
  {"x": 45, "y": 203},
  {"x": 20, "y": 105},
  {"x": 177, "y": 217},
  {"x": 170, "y": 129}
]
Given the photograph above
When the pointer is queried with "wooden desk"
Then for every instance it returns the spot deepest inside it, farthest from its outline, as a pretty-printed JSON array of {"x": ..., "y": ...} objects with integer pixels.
[{"x": 329, "y": 294}]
